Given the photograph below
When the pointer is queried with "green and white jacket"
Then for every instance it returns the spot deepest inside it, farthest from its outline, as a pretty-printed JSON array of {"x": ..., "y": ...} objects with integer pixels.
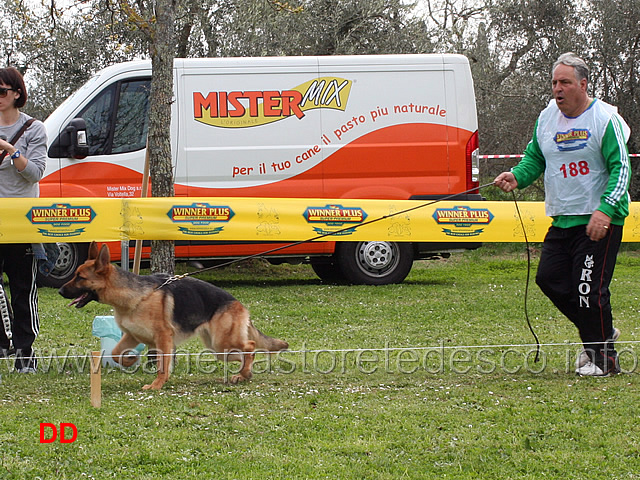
[{"x": 585, "y": 162}]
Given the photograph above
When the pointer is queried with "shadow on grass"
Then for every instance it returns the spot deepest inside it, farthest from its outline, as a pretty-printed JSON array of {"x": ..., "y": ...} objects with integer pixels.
[{"x": 292, "y": 282}]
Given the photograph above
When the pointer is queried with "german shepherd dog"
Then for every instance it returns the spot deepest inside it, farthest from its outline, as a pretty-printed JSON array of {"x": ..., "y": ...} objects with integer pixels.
[{"x": 162, "y": 314}]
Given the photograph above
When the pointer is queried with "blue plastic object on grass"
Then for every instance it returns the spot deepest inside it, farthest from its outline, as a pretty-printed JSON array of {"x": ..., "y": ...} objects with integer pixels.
[{"x": 106, "y": 329}]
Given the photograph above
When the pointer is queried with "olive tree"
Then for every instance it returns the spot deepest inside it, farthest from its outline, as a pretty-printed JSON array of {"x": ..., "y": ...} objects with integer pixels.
[
  {"x": 155, "y": 20},
  {"x": 614, "y": 58}
]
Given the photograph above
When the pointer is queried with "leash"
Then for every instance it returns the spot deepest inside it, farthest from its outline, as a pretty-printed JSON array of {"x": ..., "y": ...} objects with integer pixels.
[
  {"x": 328, "y": 234},
  {"x": 174, "y": 278},
  {"x": 526, "y": 285}
]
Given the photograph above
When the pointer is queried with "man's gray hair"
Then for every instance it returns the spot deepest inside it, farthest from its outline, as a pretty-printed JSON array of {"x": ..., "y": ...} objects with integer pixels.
[{"x": 572, "y": 60}]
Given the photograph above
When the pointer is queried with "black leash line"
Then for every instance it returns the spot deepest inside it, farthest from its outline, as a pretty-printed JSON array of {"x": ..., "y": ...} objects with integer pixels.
[
  {"x": 329, "y": 234},
  {"x": 526, "y": 286},
  {"x": 353, "y": 227}
]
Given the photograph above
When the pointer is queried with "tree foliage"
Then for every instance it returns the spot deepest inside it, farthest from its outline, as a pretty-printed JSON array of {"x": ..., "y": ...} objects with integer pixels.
[
  {"x": 614, "y": 56},
  {"x": 511, "y": 44}
]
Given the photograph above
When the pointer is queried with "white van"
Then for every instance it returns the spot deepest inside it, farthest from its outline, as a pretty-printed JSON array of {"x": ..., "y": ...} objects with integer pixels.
[{"x": 335, "y": 127}]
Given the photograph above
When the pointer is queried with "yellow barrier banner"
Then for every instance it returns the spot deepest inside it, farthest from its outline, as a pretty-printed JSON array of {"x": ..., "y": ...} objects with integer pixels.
[{"x": 46, "y": 220}]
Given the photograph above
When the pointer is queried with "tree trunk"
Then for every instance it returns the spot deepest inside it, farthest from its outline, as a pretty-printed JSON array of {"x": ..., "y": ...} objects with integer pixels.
[{"x": 162, "y": 55}]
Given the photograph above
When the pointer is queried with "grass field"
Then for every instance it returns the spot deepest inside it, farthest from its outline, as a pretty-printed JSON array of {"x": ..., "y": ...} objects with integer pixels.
[{"x": 433, "y": 378}]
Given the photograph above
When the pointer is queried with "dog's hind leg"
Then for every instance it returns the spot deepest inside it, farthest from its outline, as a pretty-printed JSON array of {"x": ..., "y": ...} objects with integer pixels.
[
  {"x": 227, "y": 334},
  {"x": 242, "y": 353},
  {"x": 246, "y": 362}
]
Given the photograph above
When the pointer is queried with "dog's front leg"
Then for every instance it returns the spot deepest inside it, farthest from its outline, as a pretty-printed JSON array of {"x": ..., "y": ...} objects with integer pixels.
[
  {"x": 164, "y": 358},
  {"x": 124, "y": 351}
]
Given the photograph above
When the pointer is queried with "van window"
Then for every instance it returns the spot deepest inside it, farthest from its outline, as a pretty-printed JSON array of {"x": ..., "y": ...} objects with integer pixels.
[{"x": 117, "y": 119}]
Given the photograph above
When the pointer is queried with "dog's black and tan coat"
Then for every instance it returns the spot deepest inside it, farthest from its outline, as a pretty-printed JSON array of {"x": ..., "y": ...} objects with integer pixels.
[{"x": 163, "y": 315}]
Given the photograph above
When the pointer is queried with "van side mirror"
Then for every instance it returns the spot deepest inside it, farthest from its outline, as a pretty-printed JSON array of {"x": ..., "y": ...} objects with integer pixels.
[
  {"x": 72, "y": 141},
  {"x": 77, "y": 131}
]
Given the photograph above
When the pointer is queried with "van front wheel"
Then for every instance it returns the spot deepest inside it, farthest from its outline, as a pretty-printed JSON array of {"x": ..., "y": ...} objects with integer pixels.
[
  {"x": 374, "y": 263},
  {"x": 327, "y": 270},
  {"x": 72, "y": 255}
]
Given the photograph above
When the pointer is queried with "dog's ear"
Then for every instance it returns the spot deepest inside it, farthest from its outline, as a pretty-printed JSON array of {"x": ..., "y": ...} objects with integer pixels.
[
  {"x": 103, "y": 259},
  {"x": 93, "y": 251}
]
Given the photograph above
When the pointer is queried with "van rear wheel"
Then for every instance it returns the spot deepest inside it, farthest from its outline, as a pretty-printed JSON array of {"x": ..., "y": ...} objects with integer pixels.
[
  {"x": 72, "y": 255},
  {"x": 374, "y": 263}
]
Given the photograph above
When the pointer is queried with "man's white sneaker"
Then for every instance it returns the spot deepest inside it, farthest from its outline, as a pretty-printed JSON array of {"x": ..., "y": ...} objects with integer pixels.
[
  {"x": 27, "y": 370},
  {"x": 590, "y": 369},
  {"x": 582, "y": 360},
  {"x": 583, "y": 357}
]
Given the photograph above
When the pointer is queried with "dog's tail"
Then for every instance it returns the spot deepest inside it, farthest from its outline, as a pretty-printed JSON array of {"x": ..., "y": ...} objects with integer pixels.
[{"x": 267, "y": 343}]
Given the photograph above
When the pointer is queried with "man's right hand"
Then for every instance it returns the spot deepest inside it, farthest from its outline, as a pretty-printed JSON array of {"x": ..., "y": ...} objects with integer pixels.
[{"x": 506, "y": 181}]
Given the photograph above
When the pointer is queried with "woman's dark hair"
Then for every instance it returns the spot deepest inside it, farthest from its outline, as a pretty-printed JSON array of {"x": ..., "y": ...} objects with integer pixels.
[{"x": 12, "y": 77}]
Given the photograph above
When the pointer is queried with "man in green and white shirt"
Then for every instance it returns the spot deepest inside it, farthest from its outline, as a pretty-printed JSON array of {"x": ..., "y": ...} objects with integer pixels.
[{"x": 579, "y": 143}]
